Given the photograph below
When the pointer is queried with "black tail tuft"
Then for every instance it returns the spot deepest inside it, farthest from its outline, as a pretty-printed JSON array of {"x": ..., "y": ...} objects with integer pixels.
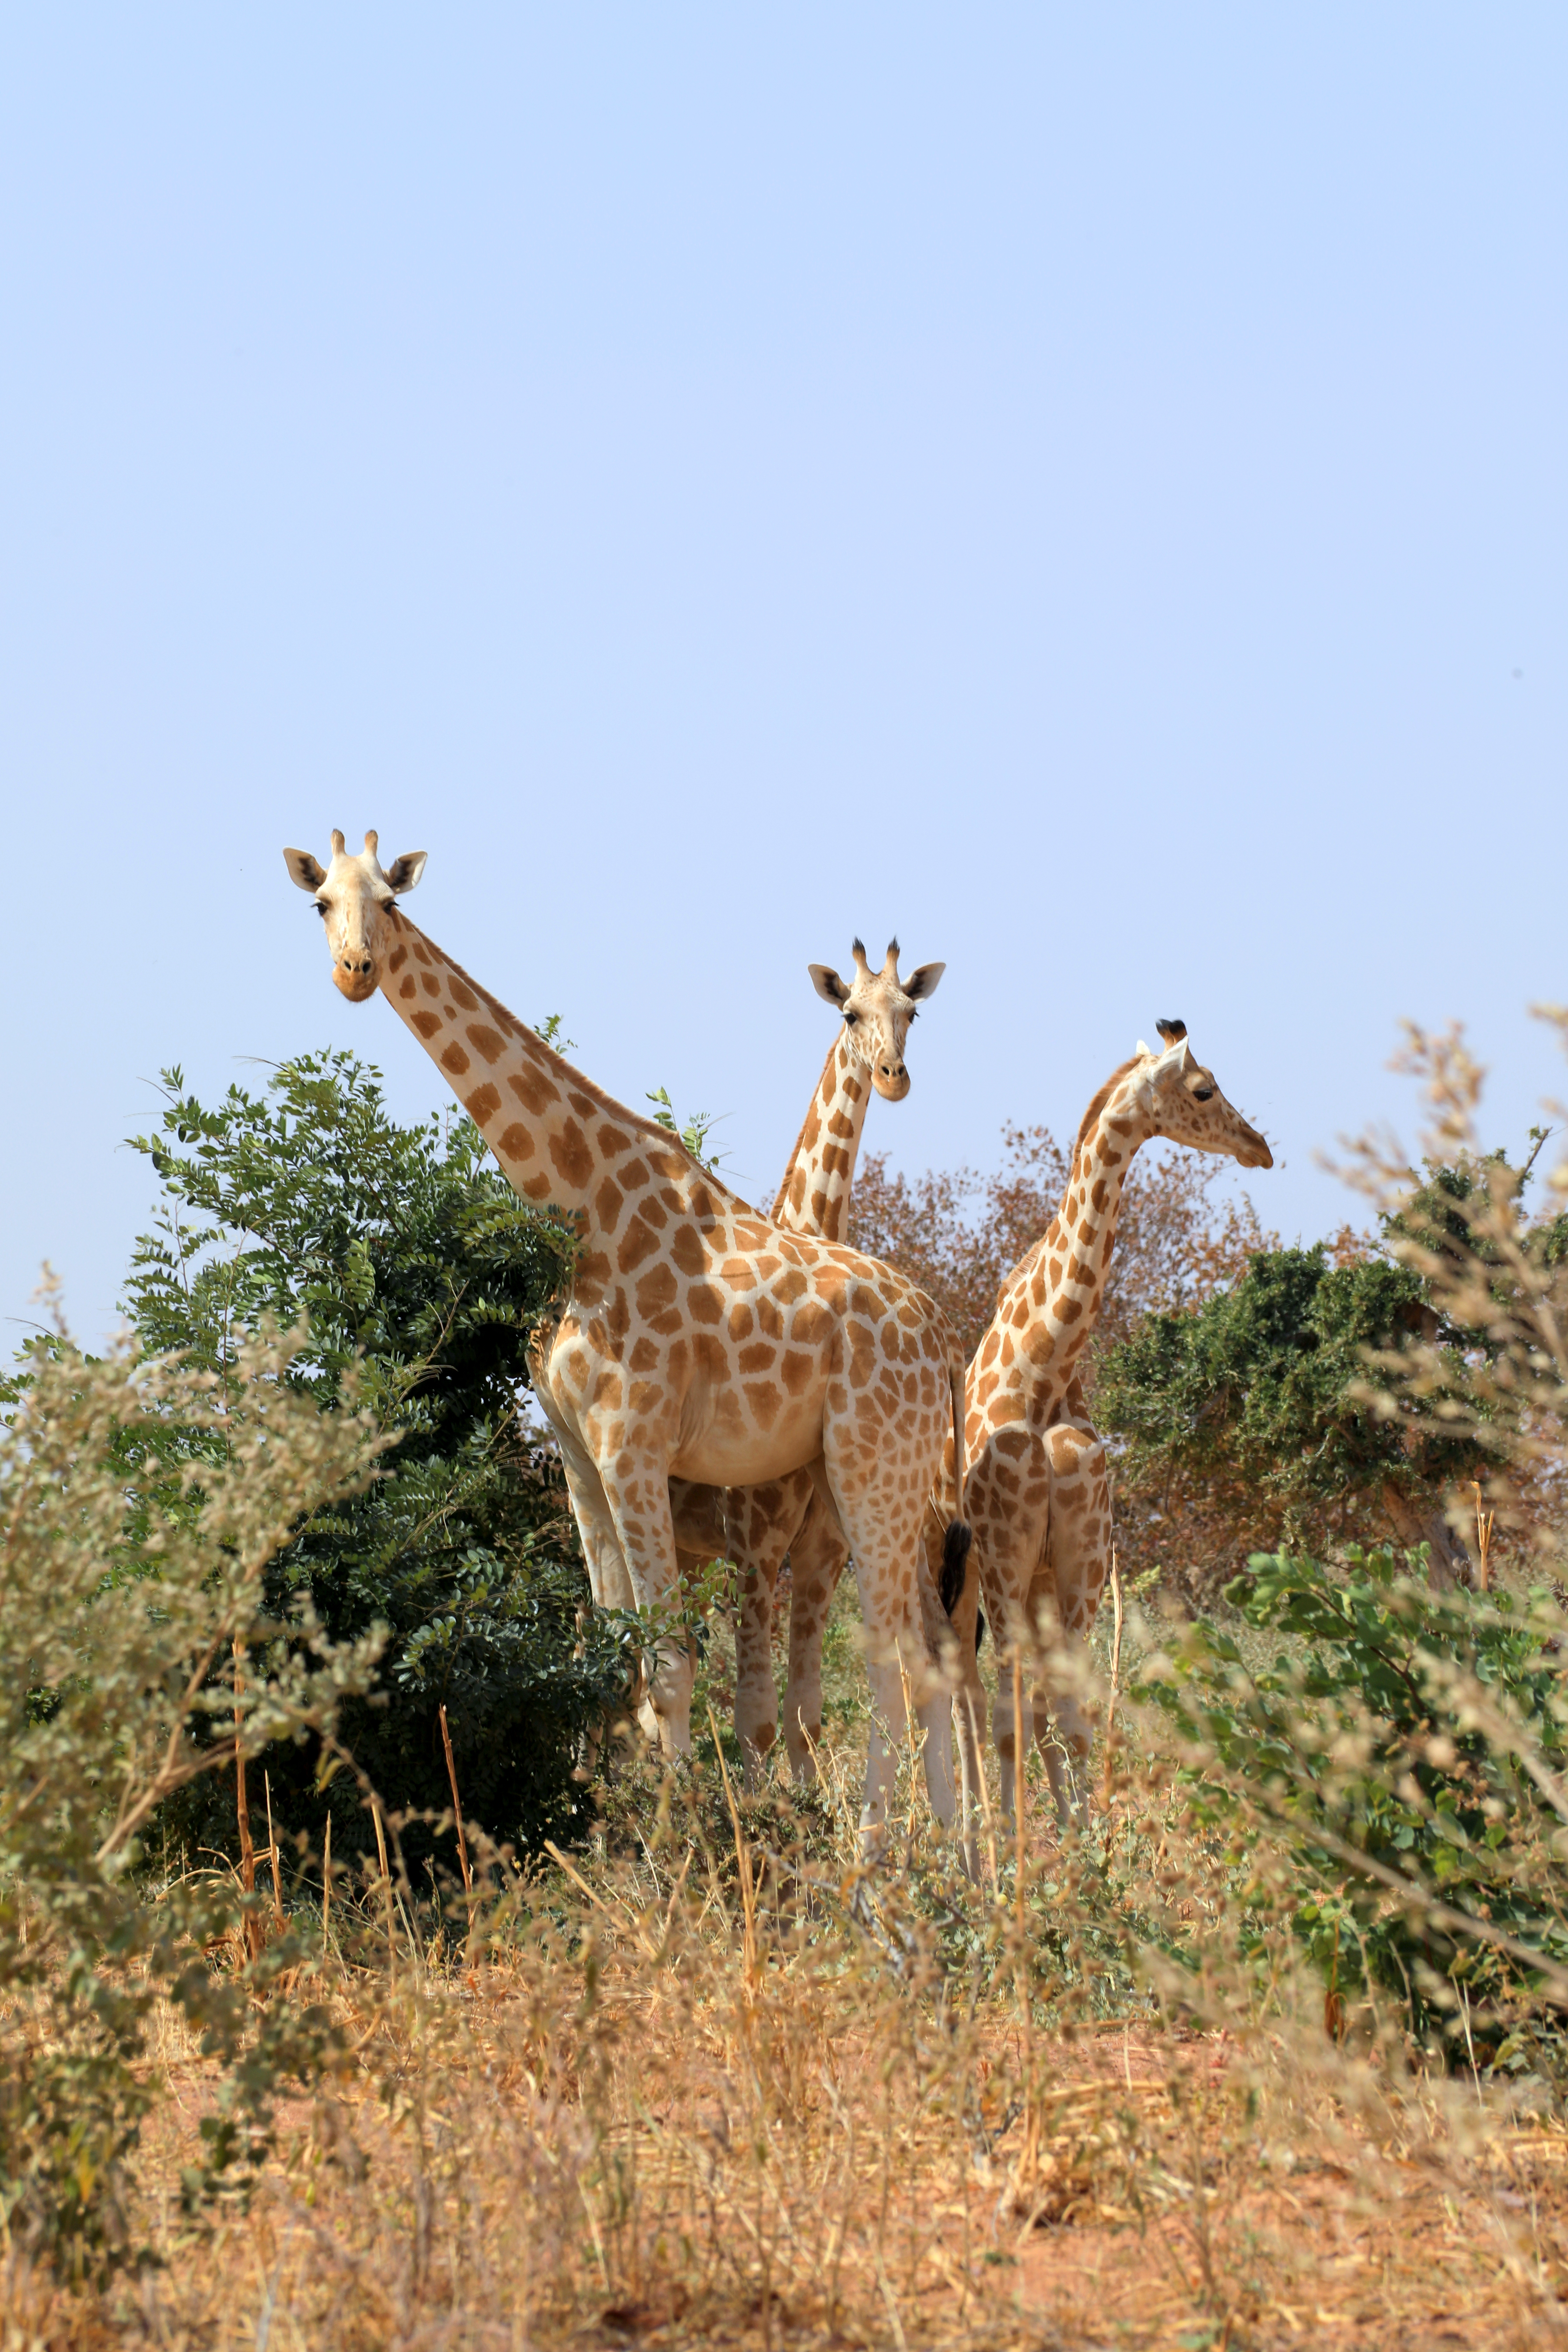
[
  {"x": 979, "y": 1630},
  {"x": 954, "y": 1553}
]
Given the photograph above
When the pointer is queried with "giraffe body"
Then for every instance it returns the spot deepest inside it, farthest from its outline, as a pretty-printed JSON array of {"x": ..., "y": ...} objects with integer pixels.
[
  {"x": 1039, "y": 1496},
  {"x": 758, "y": 1528},
  {"x": 696, "y": 1339}
]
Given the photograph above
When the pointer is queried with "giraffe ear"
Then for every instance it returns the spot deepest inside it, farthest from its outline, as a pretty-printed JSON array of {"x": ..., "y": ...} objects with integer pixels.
[
  {"x": 403, "y": 872},
  {"x": 827, "y": 984},
  {"x": 922, "y": 983},
  {"x": 303, "y": 869}
]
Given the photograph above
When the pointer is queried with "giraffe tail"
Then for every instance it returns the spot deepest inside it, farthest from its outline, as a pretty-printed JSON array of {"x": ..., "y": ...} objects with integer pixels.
[{"x": 955, "y": 1543}]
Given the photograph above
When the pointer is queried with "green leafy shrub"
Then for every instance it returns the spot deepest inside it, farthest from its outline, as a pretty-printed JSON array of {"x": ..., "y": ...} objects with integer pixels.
[
  {"x": 403, "y": 1253},
  {"x": 1401, "y": 1753},
  {"x": 1260, "y": 1394},
  {"x": 124, "y": 1586}
]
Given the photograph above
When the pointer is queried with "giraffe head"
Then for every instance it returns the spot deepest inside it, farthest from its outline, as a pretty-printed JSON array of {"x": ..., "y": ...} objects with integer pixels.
[
  {"x": 1182, "y": 1102},
  {"x": 353, "y": 896},
  {"x": 878, "y": 1007}
]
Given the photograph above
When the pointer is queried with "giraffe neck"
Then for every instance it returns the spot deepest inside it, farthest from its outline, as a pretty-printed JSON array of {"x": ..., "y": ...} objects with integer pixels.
[
  {"x": 815, "y": 1195},
  {"x": 1052, "y": 1300},
  {"x": 560, "y": 1140}
]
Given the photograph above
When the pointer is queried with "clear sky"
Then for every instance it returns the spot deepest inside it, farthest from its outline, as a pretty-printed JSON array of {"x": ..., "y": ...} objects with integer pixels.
[{"x": 1082, "y": 488}]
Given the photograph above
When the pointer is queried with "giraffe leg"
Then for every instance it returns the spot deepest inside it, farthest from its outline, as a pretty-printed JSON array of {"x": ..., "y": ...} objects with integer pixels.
[
  {"x": 818, "y": 1554},
  {"x": 1079, "y": 1564},
  {"x": 767, "y": 1515},
  {"x": 969, "y": 1698},
  {"x": 884, "y": 1535},
  {"x": 609, "y": 1579},
  {"x": 638, "y": 1504},
  {"x": 1009, "y": 1510}
]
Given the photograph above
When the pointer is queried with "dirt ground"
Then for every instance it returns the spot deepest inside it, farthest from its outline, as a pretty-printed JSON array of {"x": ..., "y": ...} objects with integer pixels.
[{"x": 680, "y": 2167}]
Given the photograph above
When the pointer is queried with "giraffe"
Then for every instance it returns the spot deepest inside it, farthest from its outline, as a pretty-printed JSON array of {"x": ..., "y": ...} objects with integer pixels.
[
  {"x": 1039, "y": 1492},
  {"x": 693, "y": 1338},
  {"x": 755, "y": 1527}
]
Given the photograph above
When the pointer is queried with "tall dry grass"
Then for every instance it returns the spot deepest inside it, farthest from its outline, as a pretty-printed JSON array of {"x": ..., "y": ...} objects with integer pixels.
[{"x": 708, "y": 2081}]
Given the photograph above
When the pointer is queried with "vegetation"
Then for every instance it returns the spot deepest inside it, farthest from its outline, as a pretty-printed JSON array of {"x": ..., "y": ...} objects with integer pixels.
[
  {"x": 703, "y": 2078},
  {"x": 1397, "y": 1739},
  {"x": 128, "y": 1588},
  {"x": 408, "y": 1263},
  {"x": 1259, "y": 1398}
]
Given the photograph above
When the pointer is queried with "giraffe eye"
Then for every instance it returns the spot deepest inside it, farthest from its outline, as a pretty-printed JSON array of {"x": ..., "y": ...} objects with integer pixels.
[
  {"x": 1203, "y": 1094},
  {"x": 320, "y": 905},
  {"x": 849, "y": 1018}
]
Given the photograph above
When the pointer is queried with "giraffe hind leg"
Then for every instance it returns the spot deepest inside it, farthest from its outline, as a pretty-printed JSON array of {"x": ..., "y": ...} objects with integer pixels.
[
  {"x": 766, "y": 1516},
  {"x": 1079, "y": 1568},
  {"x": 818, "y": 1555}
]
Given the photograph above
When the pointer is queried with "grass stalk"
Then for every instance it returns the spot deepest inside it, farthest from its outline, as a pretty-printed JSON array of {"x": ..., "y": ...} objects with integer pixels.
[
  {"x": 457, "y": 1807},
  {"x": 254, "y": 1938},
  {"x": 1115, "y": 1668},
  {"x": 385, "y": 1885},
  {"x": 272, "y": 1855}
]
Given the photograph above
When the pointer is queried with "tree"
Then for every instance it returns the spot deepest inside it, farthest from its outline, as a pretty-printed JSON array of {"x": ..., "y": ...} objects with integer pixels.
[{"x": 399, "y": 1251}]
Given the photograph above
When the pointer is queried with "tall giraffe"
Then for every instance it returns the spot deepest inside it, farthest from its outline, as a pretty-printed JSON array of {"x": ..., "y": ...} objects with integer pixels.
[
  {"x": 695, "y": 1339},
  {"x": 1038, "y": 1494},
  {"x": 755, "y": 1527}
]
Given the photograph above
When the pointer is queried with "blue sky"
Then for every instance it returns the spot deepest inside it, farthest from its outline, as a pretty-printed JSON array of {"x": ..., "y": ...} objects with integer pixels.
[{"x": 1082, "y": 489}]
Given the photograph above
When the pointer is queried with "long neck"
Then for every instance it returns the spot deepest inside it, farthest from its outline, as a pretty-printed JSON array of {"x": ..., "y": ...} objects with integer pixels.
[
  {"x": 815, "y": 1195},
  {"x": 560, "y": 1138},
  {"x": 1051, "y": 1301}
]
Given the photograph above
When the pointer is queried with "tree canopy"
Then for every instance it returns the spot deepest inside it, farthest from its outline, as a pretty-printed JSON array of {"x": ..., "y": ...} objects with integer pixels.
[{"x": 402, "y": 1250}]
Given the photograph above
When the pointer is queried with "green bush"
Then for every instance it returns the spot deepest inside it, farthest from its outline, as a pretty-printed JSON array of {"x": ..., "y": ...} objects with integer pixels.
[
  {"x": 1400, "y": 1758},
  {"x": 1260, "y": 1395},
  {"x": 407, "y": 1259},
  {"x": 125, "y": 1584}
]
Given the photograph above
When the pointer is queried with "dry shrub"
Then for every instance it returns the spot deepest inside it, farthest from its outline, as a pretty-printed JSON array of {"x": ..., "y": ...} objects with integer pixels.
[{"x": 1497, "y": 1268}]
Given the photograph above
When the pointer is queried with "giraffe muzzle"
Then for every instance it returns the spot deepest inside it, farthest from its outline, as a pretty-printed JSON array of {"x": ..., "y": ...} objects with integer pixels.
[
  {"x": 891, "y": 1079},
  {"x": 355, "y": 976}
]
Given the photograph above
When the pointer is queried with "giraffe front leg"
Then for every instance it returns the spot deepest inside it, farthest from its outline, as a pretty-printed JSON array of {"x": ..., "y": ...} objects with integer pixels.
[
  {"x": 1077, "y": 1568},
  {"x": 638, "y": 1498},
  {"x": 609, "y": 1581}
]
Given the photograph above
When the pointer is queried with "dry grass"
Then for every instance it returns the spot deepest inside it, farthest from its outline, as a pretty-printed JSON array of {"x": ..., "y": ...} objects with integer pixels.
[{"x": 692, "y": 2087}]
